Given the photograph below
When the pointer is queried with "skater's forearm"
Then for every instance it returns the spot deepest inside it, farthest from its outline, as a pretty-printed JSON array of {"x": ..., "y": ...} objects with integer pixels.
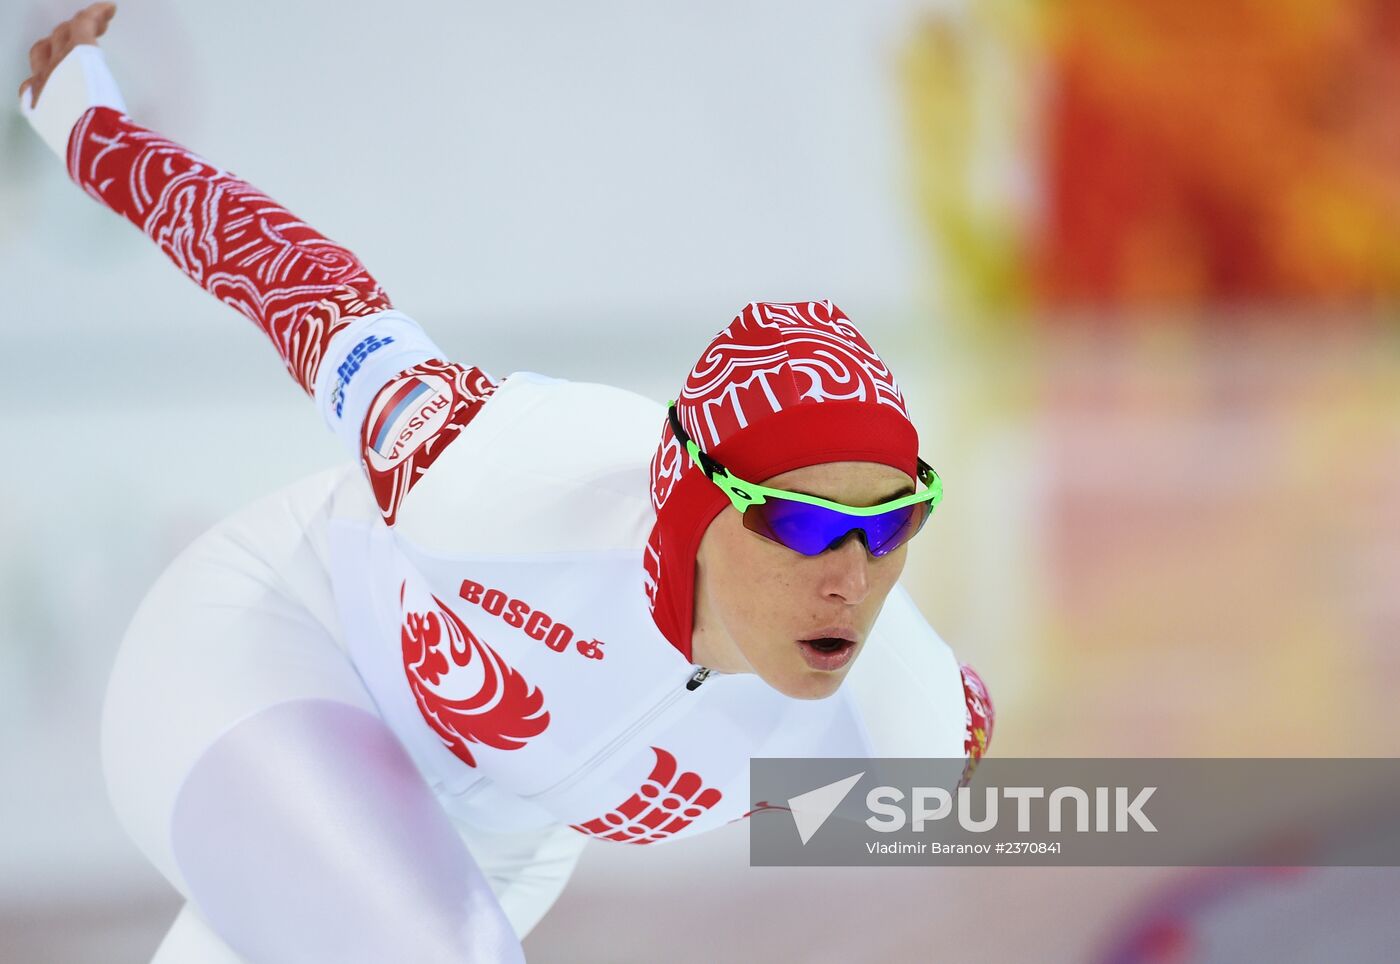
[
  {"x": 248, "y": 251},
  {"x": 241, "y": 246},
  {"x": 238, "y": 244}
]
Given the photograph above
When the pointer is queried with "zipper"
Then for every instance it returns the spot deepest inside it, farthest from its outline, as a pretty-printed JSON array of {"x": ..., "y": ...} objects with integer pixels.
[
  {"x": 699, "y": 676},
  {"x": 621, "y": 739}
]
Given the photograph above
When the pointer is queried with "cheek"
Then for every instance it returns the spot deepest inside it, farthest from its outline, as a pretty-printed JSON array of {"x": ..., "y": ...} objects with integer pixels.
[
  {"x": 888, "y": 569},
  {"x": 752, "y": 575},
  {"x": 885, "y": 574}
]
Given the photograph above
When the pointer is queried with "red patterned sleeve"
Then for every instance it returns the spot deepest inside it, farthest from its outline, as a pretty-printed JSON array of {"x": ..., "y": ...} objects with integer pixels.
[
  {"x": 234, "y": 241},
  {"x": 981, "y": 717},
  {"x": 300, "y": 288}
]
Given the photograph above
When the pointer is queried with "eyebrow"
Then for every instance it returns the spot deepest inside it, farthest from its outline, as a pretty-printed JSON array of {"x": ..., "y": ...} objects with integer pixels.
[{"x": 903, "y": 490}]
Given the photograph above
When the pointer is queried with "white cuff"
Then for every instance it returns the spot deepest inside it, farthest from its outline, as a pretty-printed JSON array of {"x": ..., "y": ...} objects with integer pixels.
[
  {"x": 360, "y": 360},
  {"x": 79, "y": 83}
]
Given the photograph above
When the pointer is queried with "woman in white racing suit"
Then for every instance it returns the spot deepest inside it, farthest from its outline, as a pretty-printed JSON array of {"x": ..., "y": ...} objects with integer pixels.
[{"x": 373, "y": 722}]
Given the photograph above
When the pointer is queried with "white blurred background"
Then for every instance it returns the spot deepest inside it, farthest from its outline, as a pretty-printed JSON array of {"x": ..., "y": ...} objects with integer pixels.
[{"x": 1169, "y": 530}]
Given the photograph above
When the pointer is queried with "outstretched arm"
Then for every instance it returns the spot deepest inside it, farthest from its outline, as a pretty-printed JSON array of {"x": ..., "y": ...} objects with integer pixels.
[
  {"x": 311, "y": 803},
  {"x": 328, "y": 318}
]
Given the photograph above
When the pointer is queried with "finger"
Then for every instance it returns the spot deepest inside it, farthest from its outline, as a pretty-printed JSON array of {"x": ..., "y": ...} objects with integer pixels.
[
  {"x": 61, "y": 39},
  {"x": 36, "y": 87},
  {"x": 39, "y": 57},
  {"x": 84, "y": 30},
  {"x": 108, "y": 12},
  {"x": 96, "y": 14},
  {"x": 92, "y": 23},
  {"x": 22, "y": 87}
]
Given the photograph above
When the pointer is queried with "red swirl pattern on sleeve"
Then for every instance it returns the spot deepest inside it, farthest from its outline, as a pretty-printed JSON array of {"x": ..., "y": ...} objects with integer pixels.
[
  {"x": 228, "y": 237},
  {"x": 981, "y": 717}
]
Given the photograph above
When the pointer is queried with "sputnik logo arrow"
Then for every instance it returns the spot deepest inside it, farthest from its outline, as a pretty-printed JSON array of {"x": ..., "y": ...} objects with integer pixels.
[{"x": 811, "y": 809}]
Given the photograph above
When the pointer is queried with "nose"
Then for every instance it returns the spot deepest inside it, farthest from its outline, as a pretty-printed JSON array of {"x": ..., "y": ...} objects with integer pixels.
[{"x": 847, "y": 570}]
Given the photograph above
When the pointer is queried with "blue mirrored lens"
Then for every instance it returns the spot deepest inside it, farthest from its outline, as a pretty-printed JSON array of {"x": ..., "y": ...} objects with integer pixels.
[{"x": 812, "y": 529}]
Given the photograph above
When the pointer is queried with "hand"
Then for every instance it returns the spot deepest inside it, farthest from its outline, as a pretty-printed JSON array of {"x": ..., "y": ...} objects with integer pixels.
[{"x": 85, "y": 27}]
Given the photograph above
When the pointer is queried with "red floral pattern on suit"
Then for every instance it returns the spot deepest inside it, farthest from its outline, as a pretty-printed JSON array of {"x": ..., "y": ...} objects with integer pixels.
[
  {"x": 981, "y": 717},
  {"x": 466, "y": 692},
  {"x": 669, "y": 800}
]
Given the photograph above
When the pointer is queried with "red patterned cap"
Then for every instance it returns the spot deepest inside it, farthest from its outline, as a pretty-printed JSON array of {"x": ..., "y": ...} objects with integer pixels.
[{"x": 782, "y": 387}]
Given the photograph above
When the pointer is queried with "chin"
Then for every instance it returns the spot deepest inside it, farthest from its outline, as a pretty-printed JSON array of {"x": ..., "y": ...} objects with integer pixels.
[{"x": 807, "y": 684}]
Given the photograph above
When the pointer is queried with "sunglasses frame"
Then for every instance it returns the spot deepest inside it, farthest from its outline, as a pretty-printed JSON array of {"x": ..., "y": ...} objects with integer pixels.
[{"x": 743, "y": 493}]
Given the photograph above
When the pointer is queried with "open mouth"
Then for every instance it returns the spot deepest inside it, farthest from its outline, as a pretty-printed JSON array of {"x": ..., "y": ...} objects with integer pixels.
[{"x": 826, "y": 652}]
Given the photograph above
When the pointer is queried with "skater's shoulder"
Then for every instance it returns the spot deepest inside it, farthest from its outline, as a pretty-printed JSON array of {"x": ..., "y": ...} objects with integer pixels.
[
  {"x": 568, "y": 403},
  {"x": 547, "y": 465},
  {"x": 569, "y": 430}
]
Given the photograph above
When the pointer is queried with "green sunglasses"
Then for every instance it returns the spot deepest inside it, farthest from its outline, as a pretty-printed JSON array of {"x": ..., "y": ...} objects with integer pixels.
[{"x": 810, "y": 525}]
